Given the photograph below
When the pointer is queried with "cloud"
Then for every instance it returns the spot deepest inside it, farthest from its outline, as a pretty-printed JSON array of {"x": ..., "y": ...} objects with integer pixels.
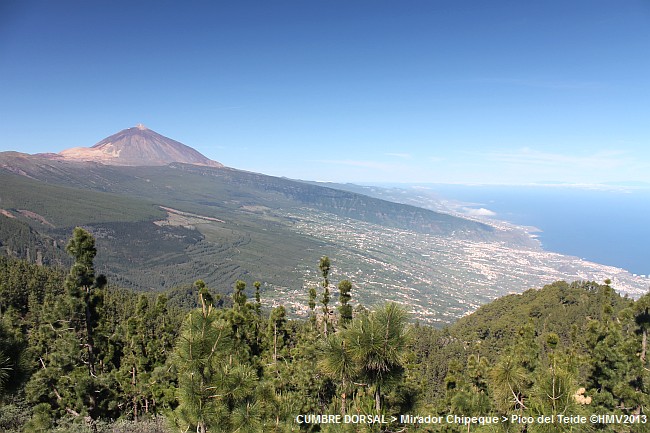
[
  {"x": 526, "y": 157},
  {"x": 526, "y": 165},
  {"x": 360, "y": 163},
  {"x": 400, "y": 155},
  {"x": 479, "y": 212},
  {"x": 516, "y": 166}
]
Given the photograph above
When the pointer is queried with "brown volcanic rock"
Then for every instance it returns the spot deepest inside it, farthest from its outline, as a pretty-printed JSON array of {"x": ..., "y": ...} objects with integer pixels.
[{"x": 138, "y": 146}]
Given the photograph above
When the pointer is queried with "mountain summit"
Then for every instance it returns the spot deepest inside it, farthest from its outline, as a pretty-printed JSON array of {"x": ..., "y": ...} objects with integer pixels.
[{"x": 138, "y": 146}]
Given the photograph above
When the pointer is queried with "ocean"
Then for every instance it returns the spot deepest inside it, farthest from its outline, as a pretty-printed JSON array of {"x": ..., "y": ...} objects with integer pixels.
[{"x": 610, "y": 227}]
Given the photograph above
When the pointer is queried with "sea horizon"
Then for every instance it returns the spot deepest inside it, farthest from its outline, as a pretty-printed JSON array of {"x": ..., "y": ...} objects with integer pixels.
[{"x": 606, "y": 224}]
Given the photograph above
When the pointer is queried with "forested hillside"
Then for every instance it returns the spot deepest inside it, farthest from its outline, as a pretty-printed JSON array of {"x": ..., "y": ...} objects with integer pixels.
[
  {"x": 78, "y": 354},
  {"x": 195, "y": 220},
  {"x": 161, "y": 227}
]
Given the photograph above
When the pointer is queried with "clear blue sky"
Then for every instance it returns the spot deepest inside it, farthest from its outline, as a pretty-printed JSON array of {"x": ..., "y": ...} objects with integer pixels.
[{"x": 363, "y": 91}]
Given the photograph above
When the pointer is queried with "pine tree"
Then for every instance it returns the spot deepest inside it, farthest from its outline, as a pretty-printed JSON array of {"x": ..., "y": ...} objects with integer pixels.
[
  {"x": 239, "y": 297},
  {"x": 312, "y": 305},
  {"x": 338, "y": 363},
  {"x": 84, "y": 290},
  {"x": 324, "y": 266},
  {"x": 345, "y": 310},
  {"x": 136, "y": 363},
  {"x": 68, "y": 378},
  {"x": 555, "y": 391},
  {"x": 203, "y": 345},
  {"x": 377, "y": 343},
  {"x": 298, "y": 381},
  {"x": 467, "y": 389},
  {"x": 512, "y": 377},
  {"x": 642, "y": 319},
  {"x": 14, "y": 365},
  {"x": 277, "y": 332},
  {"x": 258, "y": 299},
  {"x": 617, "y": 380},
  {"x": 216, "y": 382},
  {"x": 246, "y": 325},
  {"x": 41, "y": 421}
]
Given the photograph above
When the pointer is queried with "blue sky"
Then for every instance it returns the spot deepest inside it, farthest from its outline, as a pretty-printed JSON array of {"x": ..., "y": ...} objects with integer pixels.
[{"x": 512, "y": 92}]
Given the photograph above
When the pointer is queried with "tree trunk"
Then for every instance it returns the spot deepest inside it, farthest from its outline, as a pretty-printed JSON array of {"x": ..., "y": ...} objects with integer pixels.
[
  {"x": 378, "y": 400},
  {"x": 644, "y": 341},
  {"x": 89, "y": 335},
  {"x": 91, "y": 423},
  {"x": 644, "y": 344},
  {"x": 135, "y": 398},
  {"x": 343, "y": 396},
  {"x": 275, "y": 343}
]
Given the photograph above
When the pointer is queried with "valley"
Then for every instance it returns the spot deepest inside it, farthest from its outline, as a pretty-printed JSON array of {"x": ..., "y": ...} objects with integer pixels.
[
  {"x": 164, "y": 226},
  {"x": 437, "y": 279}
]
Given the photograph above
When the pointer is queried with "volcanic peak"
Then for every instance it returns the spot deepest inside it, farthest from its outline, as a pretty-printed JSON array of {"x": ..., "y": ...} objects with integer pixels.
[{"x": 138, "y": 146}]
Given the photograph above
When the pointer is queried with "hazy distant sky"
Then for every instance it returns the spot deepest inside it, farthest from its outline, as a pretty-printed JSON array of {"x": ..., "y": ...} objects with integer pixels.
[{"x": 393, "y": 91}]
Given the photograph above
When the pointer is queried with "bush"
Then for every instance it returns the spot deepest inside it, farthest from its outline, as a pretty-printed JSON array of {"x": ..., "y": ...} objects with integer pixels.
[{"x": 13, "y": 417}]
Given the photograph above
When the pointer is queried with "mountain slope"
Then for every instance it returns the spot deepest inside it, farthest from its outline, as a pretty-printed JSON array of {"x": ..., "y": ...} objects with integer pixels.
[
  {"x": 196, "y": 188},
  {"x": 164, "y": 226}
]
